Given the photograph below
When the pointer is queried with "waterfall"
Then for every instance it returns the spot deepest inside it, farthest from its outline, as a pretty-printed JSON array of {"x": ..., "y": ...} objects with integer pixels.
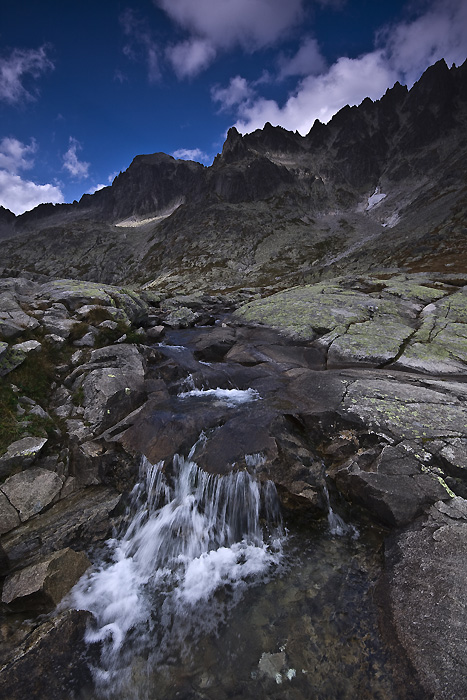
[
  {"x": 192, "y": 543},
  {"x": 337, "y": 525}
]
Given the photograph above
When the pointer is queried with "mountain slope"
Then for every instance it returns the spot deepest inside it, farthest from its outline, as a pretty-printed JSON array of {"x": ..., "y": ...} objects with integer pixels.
[{"x": 381, "y": 185}]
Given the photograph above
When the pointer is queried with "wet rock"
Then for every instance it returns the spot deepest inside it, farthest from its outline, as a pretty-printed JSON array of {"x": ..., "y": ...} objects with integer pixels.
[
  {"x": 244, "y": 354},
  {"x": 162, "y": 430},
  {"x": 31, "y": 491},
  {"x": 42, "y": 585},
  {"x": 426, "y": 572},
  {"x": 51, "y": 662},
  {"x": 86, "y": 463},
  {"x": 78, "y": 521},
  {"x": 395, "y": 488},
  {"x": 271, "y": 446},
  {"x": 213, "y": 345},
  {"x": 155, "y": 332},
  {"x": 21, "y": 454}
]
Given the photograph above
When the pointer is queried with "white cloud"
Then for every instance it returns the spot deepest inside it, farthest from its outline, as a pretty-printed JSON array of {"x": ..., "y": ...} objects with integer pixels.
[
  {"x": 20, "y": 195},
  {"x": 77, "y": 169},
  {"x": 190, "y": 57},
  {"x": 142, "y": 45},
  {"x": 348, "y": 81},
  {"x": 15, "y": 155},
  {"x": 237, "y": 92},
  {"x": 14, "y": 70},
  {"x": 402, "y": 53},
  {"x": 214, "y": 25},
  {"x": 439, "y": 33},
  {"x": 16, "y": 194},
  {"x": 191, "y": 154},
  {"x": 307, "y": 61}
]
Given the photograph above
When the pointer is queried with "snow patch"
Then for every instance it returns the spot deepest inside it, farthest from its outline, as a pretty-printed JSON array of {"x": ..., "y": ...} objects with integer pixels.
[
  {"x": 375, "y": 199},
  {"x": 392, "y": 220},
  {"x": 134, "y": 221}
]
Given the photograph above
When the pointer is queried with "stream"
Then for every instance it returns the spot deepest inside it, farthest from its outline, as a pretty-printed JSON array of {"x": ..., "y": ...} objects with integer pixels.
[{"x": 206, "y": 591}]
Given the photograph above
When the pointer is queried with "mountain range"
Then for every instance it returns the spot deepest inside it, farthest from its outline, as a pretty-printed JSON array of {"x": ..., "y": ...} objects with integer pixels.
[{"x": 382, "y": 185}]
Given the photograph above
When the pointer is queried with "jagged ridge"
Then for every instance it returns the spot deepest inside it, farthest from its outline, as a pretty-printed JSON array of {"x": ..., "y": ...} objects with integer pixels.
[{"x": 274, "y": 203}]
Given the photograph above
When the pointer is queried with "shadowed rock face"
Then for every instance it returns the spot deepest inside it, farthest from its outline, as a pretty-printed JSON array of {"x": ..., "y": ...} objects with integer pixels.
[{"x": 274, "y": 204}]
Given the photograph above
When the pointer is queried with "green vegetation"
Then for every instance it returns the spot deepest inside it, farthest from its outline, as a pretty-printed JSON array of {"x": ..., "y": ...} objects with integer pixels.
[
  {"x": 78, "y": 330},
  {"x": 12, "y": 426},
  {"x": 78, "y": 396}
]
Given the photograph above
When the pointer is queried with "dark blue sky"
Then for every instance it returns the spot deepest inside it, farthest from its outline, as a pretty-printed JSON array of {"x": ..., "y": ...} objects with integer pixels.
[{"x": 85, "y": 86}]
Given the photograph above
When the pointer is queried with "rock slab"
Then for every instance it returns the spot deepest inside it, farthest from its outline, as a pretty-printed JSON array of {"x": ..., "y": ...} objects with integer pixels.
[{"x": 41, "y": 586}]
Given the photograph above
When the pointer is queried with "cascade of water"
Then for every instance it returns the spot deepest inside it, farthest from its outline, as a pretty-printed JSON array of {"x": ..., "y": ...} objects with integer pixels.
[
  {"x": 338, "y": 526},
  {"x": 189, "y": 535}
]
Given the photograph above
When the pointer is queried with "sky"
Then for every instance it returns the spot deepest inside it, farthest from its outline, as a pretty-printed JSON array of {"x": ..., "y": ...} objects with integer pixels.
[{"x": 86, "y": 86}]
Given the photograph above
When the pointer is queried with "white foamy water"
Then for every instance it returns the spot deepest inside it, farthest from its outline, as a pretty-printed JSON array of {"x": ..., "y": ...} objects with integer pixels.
[
  {"x": 231, "y": 397},
  {"x": 189, "y": 536}
]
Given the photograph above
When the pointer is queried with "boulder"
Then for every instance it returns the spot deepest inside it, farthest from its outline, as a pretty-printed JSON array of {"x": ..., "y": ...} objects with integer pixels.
[
  {"x": 76, "y": 293},
  {"x": 28, "y": 346},
  {"x": 52, "y": 662},
  {"x": 78, "y": 521},
  {"x": 9, "y": 517},
  {"x": 9, "y": 329},
  {"x": 113, "y": 385},
  {"x": 181, "y": 317},
  {"x": 57, "y": 325},
  {"x": 426, "y": 570},
  {"x": 155, "y": 332},
  {"x": 396, "y": 488},
  {"x": 54, "y": 340},
  {"x": 21, "y": 454},
  {"x": 31, "y": 491},
  {"x": 109, "y": 325},
  {"x": 135, "y": 308},
  {"x": 12, "y": 359},
  {"x": 42, "y": 585},
  {"x": 87, "y": 340}
]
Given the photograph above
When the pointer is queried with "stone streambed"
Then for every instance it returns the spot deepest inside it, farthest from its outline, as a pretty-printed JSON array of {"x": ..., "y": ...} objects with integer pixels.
[{"x": 330, "y": 409}]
